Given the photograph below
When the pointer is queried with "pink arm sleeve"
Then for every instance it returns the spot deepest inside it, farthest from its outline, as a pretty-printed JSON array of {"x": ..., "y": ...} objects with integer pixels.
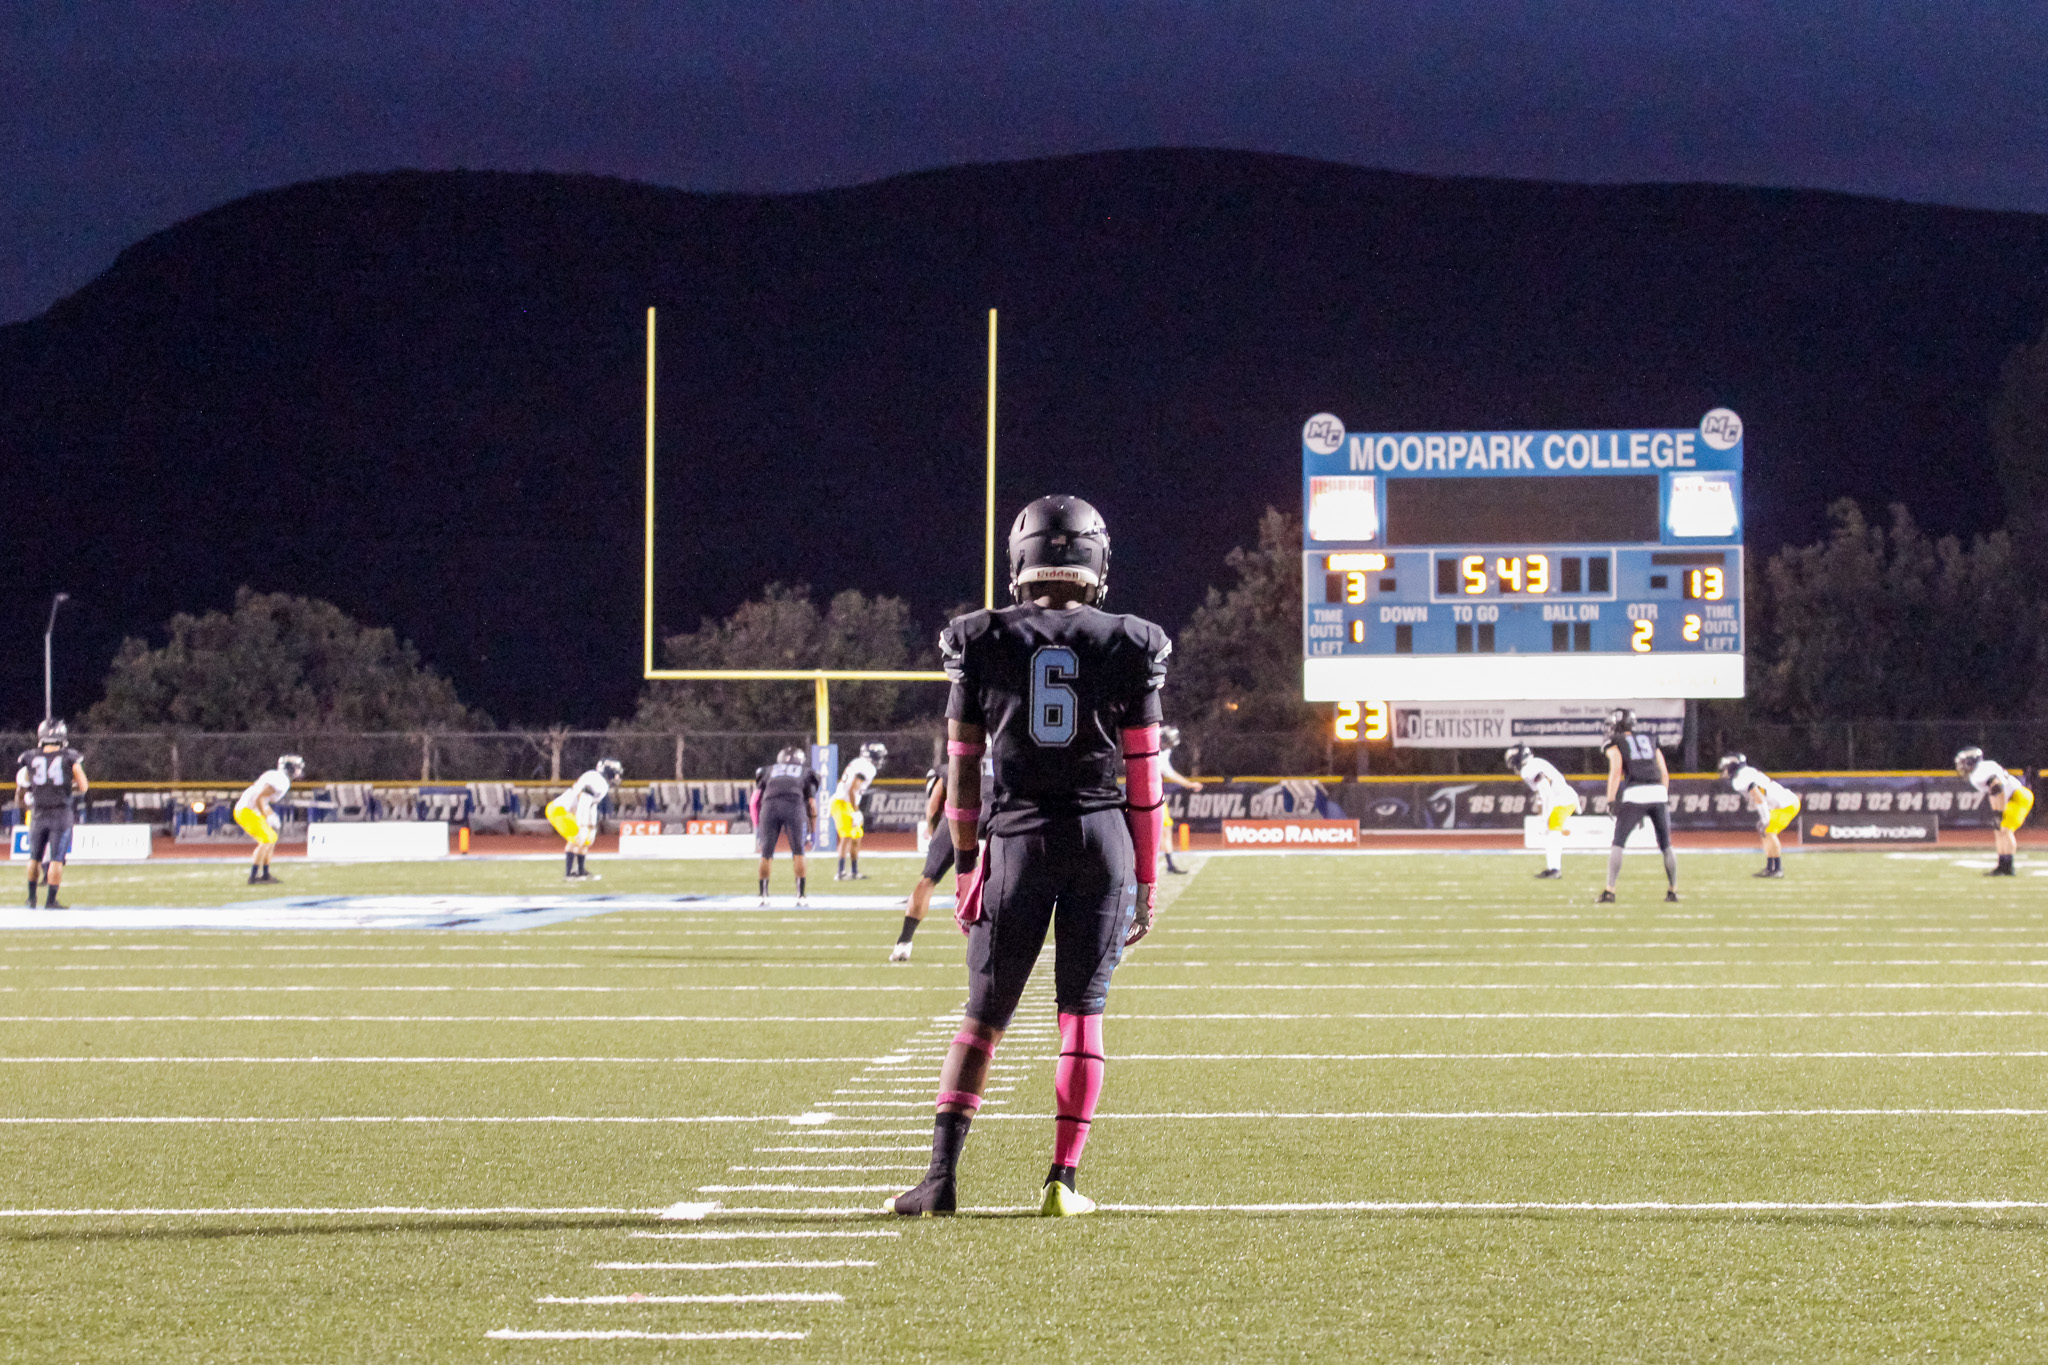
[
  {"x": 1144, "y": 792},
  {"x": 754, "y": 808}
]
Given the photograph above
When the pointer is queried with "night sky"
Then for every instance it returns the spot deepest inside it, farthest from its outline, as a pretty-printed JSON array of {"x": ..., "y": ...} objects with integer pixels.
[{"x": 120, "y": 119}]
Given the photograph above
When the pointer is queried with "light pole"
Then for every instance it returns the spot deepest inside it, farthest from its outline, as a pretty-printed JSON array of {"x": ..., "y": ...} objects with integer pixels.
[{"x": 48, "y": 631}]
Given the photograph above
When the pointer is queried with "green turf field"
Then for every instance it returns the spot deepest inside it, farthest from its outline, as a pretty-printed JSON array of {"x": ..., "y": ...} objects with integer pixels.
[{"x": 1546, "y": 1117}]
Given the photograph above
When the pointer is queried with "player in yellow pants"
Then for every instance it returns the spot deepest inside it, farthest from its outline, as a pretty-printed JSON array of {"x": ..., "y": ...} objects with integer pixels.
[
  {"x": 2006, "y": 794},
  {"x": 575, "y": 816},
  {"x": 1555, "y": 797},
  {"x": 847, "y": 819},
  {"x": 255, "y": 812},
  {"x": 1775, "y": 804}
]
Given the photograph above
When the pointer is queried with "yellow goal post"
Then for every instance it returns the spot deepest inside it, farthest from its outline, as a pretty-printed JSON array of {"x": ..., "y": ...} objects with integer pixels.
[{"x": 821, "y": 679}]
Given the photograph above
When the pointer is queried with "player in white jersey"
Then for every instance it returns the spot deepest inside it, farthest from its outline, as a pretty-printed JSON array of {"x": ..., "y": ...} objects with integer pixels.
[
  {"x": 255, "y": 811},
  {"x": 1555, "y": 799},
  {"x": 846, "y": 799},
  {"x": 2006, "y": 794},
  {"x": 1775, "y": 804},
  {"x": 574, "y": 814},
  {"x": 1169, "y": 737}
]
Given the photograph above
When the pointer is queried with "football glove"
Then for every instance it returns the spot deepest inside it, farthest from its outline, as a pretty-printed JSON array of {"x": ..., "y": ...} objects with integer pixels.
[{"x": 967, "y": 897}]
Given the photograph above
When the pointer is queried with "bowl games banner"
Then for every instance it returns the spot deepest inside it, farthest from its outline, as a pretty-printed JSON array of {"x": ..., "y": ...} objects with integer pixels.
[{"x": 1538, "y": 724}]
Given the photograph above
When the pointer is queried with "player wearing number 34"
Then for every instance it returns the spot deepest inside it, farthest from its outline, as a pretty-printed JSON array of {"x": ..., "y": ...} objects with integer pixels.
[
  {"x": 1054, "y": 689},
  {"x": 46, "y": 779}
]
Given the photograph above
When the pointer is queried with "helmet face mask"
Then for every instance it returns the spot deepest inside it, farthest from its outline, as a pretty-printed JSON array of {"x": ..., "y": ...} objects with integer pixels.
[
  {"x": 1516, "y": 757},
  {"x": 292, "y": 766},
  {"x": 53, "y": 733},
  {"x": 1059, "y": 539},
  {"x": 1732, "y": 764},
  {"x": 610, "y": 769},
  {"x": 876, "y": 754},
  {"x": 1968, "y": 759}
]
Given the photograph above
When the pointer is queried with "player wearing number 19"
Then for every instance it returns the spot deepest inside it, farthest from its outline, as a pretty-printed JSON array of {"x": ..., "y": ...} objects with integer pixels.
[
  {"x": 1638, "y": 789},
  {"x": 1053, "y": 688},
  {"x": 46, "y": 777}
]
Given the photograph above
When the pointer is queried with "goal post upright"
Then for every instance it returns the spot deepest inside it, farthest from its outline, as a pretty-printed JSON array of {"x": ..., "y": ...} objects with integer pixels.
[
  {"x": 819, "y": 678},
  {"x": 988, "y": 577}
]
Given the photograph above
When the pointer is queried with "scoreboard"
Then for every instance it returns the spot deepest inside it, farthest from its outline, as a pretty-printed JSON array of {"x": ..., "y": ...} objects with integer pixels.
[{"x": 1522, "y": 565}]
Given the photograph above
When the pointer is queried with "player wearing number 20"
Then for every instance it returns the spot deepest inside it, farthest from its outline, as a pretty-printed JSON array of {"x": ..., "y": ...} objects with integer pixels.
[
  {"x": 1054, "y": 689},
  {"x": 46, "y": 777}
]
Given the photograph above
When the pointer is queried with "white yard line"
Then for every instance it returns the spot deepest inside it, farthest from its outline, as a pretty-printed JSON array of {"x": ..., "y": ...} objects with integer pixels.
[
  {"x": 434, "y": 1061},
  {"x": 734, "y": 1265},
  {"x": 668, "y": 988},
  {"x": 752, "y": 1236},
  {"x": 457, "y": 1019},
  {"x": 800, "y": 1189},
  {"x": 1606, "y": 1014},
  {"x": 812, "y": 1170},
  {"x": 322, "y": 1212},
  {"x": 399, "y": 1118},
  {"x": 1474, "y": 1206},
  {"x": 791, "y": 1297},
  {"x": 509, "y": 1334}
]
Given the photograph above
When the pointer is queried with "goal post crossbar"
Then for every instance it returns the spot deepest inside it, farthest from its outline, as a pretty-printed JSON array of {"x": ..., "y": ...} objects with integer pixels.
[{"x": 820, "y": 678}]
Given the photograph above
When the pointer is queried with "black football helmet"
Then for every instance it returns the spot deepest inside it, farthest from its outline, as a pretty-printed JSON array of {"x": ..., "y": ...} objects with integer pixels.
[
  {"x": 1620, "y": 721},
  {"x": 1060, "y": 539},
  {"x": 789, "y": 753},
  {"x": 1732, "y": 764},
  {"x": 1516, "y": 757},
  {"x": 53, "y": 732}
]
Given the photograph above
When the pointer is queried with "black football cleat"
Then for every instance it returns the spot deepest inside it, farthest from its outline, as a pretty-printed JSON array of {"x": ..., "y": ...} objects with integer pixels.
[
  {"x": 931, "y": 1197},
  {"x": 1772, "y": 872},
  {"x": 1604, "y": 898},
  {"x": 1671, "y": 896},
  {"x": 1550, "y": 874}
]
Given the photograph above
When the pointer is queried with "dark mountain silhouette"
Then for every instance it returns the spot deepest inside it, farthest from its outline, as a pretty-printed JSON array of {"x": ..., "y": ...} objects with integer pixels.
[{"x": 419, "y": 394}]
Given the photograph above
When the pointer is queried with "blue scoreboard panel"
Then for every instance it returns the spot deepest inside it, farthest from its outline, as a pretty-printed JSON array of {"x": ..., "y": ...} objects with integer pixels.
[{"x": 1522, "y": 565}]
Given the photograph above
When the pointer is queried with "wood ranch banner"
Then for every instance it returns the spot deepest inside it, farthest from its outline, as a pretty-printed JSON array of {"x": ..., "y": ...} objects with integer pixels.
[{"x": 1290, "y": 834}]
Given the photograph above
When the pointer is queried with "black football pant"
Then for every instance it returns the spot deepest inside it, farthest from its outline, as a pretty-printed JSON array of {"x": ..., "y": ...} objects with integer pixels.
[{"x": 1073, "y": 877}]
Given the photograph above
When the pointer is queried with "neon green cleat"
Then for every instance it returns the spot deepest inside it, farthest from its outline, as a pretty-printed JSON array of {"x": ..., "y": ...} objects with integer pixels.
[{"x": 1061, "y": 1202}]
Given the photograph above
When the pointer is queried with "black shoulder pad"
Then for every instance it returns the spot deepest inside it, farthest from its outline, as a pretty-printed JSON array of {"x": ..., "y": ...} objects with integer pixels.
[
  {"x": 954, "y": 640},
  {"x": 1155, "y": 644}
]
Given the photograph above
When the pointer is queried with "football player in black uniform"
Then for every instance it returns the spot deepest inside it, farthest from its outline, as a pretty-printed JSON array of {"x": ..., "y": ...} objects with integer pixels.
[
  {"x": 46, "y": 778},
  {"x": 1054, "y": 689},
  {"x": 938, "y": 858},
  {"x": 785, "y": 803},
  {"x": 1637, "y": 777}
]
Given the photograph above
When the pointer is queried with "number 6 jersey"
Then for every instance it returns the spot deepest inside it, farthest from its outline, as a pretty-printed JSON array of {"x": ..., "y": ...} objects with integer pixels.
[{"x": 1053, "y": 687}]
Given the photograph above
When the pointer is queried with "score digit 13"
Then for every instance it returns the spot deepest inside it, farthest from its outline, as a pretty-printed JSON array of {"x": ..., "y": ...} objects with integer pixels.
[{"x": 1362, "y": 720}]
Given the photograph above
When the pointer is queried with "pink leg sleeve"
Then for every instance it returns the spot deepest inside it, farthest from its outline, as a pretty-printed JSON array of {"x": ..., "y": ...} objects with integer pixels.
[{"x": 1077, "y": 1082}]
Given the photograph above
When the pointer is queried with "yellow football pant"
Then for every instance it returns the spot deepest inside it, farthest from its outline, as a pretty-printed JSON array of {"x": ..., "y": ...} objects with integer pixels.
[
  {"x": 850, "y": 823},
  {"x": 2017, "y": 808},
  {"x": 260, "y": 829},
  {"x": 1781, "y": 819}
]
